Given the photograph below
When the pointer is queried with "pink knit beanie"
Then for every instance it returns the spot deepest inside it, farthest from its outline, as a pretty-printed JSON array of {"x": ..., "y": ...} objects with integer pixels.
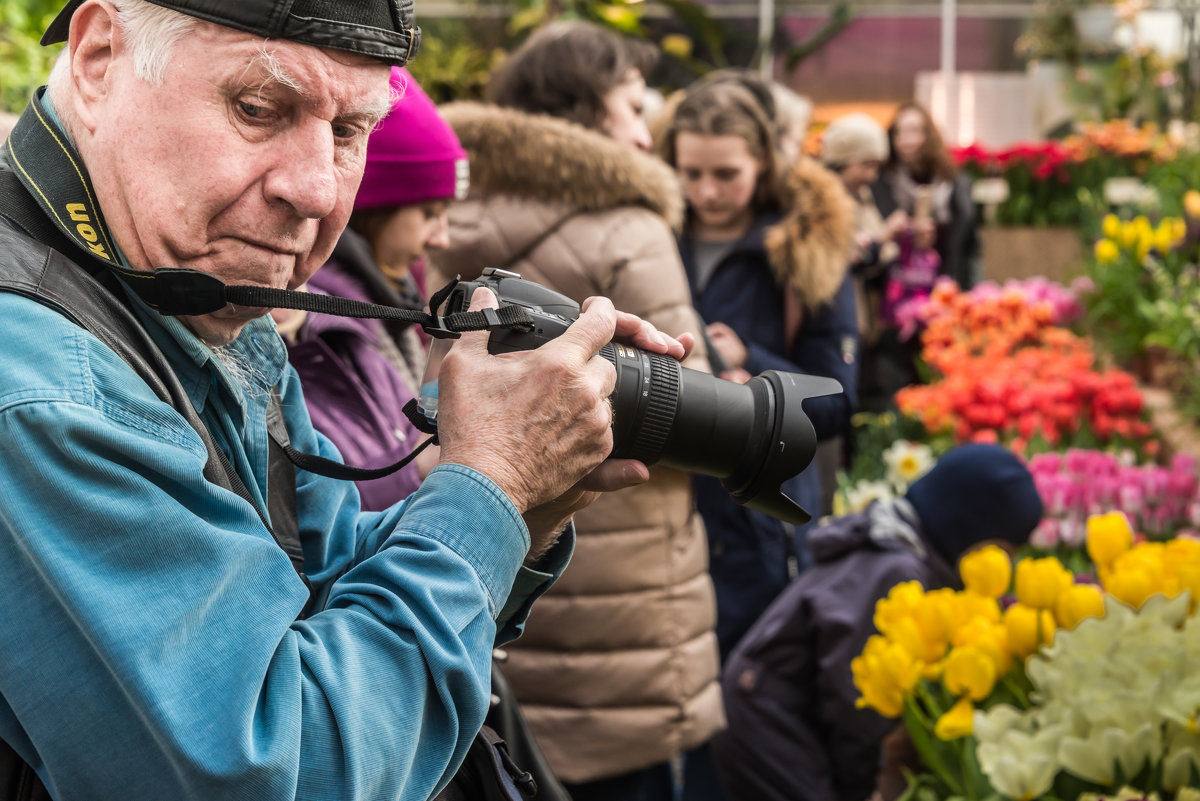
[{"x": 413, "y": 156}]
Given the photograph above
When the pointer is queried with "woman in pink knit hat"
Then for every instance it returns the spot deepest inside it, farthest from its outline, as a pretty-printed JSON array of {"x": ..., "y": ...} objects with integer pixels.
[{"x": 358, "y": 374}]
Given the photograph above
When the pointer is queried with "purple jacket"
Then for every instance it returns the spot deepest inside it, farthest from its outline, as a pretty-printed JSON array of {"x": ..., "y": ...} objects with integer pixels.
[
  {"x": 794, "y": 732},
  {"x": 353, "y": 393}
]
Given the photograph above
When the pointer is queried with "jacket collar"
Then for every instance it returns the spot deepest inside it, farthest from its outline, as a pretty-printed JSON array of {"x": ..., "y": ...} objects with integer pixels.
[{"x": 510, "y": 151}]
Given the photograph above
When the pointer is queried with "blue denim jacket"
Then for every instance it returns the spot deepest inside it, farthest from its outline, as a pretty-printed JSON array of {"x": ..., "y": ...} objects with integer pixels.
[{"x": 151, "y": 647}]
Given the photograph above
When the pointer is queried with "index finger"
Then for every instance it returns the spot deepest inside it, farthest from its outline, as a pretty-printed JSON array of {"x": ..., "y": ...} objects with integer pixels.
[{"x": 644, "y": 335}]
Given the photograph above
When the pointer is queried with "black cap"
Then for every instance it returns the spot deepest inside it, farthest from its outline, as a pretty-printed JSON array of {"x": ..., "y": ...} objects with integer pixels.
[{"x": 382, "y": 29}]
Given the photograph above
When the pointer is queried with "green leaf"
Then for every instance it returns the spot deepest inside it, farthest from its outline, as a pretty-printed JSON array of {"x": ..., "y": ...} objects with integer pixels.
[{"x": 933, "y": 752}]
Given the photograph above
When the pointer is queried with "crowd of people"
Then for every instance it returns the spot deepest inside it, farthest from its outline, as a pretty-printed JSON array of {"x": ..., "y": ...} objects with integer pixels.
[{"x": 200, "y": 606}]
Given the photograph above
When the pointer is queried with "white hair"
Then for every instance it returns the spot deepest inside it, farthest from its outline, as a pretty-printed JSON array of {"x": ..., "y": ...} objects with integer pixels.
[{"x": 150, "y": 32}]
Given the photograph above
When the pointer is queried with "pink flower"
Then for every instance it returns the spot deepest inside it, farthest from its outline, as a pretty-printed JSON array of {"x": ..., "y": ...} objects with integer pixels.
[
  {"x": 1072, "y": 532},
  {"x": 1045, "y": 536}
]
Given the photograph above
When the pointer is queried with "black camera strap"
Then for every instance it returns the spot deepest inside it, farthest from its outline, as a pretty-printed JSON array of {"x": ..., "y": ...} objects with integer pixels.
[{"x": 52, "y": 173}]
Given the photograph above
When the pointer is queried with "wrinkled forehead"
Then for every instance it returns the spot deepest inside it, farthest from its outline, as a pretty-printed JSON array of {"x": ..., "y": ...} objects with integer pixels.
[{"x": 332, "y": 83}]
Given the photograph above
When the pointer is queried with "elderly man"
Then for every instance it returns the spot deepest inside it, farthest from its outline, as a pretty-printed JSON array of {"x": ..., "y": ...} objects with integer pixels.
[{"x": 158, "y": 643}]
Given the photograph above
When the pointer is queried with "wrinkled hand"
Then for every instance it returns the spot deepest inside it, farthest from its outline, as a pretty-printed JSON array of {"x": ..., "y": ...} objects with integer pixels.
[
  {"x": 728, "y": 344},
  {"x": 538, "y": 423}
]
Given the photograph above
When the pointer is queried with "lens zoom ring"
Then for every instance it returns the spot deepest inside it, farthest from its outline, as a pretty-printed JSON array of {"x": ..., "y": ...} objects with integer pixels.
[{"x": 651, "y": 432}]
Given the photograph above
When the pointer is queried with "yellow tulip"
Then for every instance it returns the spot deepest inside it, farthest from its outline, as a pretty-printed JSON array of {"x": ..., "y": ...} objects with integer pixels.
[
  {"x": 1178, "y": 228},
  {"x": 1191, "y": 204},
  {"x": 899, "y": 605},
  {"x": 1130, "y": 585},
  {"x": 989, "y": 637},
  {"x": 1144, "y": 245},
  {"x": 1129, "y": 235},
  {"x": 1027, "y": 629},
  {"x": 970, "y": 672},
  {"x": 972, "y": 606},
  {"x": 986, "y": 571},
  {"x": 1078, "y": 602},
  {"x": 1106, "y": 251},
  {"x": 1164, "y": 237},
  {"x": 1108, "y": 536},
  {"x": 1139, "y": 573},
  {"x": 1039, "y": 581},
  {"x": 1111, "y": 225},
  {"x": 677, "y": 45},
  {"x": 883, "y": 673},
  {"x": 957, "y": 723},
  {"x": 937, "y": 617}
]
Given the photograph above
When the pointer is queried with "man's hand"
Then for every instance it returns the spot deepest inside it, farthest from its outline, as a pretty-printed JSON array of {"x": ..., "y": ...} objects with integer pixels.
[{"x": 538, "y": 423}]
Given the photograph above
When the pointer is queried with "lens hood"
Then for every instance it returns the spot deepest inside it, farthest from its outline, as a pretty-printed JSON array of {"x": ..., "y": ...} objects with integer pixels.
[{"x": 788, "y": 447}]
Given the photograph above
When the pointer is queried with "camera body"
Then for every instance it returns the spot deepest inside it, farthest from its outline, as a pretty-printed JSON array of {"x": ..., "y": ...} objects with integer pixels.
[{"x": 752, "y": 436}]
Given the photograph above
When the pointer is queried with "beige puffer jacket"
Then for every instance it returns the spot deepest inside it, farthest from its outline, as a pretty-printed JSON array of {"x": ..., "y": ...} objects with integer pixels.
[{"x": 617, "y": 669}]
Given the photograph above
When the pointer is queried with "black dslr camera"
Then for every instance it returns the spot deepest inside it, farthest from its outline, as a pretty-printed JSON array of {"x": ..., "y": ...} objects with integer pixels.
[{"x": 752, "y": 436}]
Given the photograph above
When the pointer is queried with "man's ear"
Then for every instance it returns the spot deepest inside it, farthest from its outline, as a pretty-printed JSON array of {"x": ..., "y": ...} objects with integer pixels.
[{"x": 93, "y": 42}]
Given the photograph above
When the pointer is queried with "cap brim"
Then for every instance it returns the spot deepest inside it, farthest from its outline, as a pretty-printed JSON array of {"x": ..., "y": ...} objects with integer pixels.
[{"x": 58, "y": 30}]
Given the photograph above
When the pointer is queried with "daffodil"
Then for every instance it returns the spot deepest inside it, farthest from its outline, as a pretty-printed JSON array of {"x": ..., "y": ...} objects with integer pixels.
[
  {"x": 986, "y": 571},
  {"x": 906, "y": 462},
  {"x": 860, "y": 496},
  {"x": 1039, "y": 581}
]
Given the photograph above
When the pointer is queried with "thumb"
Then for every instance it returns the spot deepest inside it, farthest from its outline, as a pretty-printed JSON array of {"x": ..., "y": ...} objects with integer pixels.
[
  {"x": 478, "y": 340},
  {"x": 593, "y": 329}
]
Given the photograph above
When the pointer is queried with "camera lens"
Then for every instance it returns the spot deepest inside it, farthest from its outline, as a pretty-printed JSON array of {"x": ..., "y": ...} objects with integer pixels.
[{"x": 752, "y": 436}]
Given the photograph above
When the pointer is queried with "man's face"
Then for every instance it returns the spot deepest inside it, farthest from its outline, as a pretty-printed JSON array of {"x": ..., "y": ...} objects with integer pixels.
[{"x": 227, "y": 169}]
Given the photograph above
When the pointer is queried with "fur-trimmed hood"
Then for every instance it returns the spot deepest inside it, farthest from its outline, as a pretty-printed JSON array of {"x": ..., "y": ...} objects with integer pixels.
[
  {"x": 811, "y": 247},
  {"x": 545, "y": 158}
]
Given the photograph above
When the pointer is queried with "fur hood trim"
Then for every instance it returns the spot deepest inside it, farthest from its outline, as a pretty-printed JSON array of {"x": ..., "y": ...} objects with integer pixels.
[
  {"x": 811, "y": 247},
  {"x": 536, "y": 156}
]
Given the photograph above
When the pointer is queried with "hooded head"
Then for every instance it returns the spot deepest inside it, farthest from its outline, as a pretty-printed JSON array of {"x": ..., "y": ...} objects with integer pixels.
[
  {"x": 975, "y": 493},
  {"x": 413, "y": 156}
]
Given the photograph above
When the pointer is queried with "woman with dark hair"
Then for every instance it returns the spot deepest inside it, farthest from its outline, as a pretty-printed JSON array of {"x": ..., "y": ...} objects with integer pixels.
[
  {"x": 767, "y": 255},
  {"x": 920, "y": 179},
  {"x": 617, "y": 673},
  {"x": 582, "y": 73}
]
